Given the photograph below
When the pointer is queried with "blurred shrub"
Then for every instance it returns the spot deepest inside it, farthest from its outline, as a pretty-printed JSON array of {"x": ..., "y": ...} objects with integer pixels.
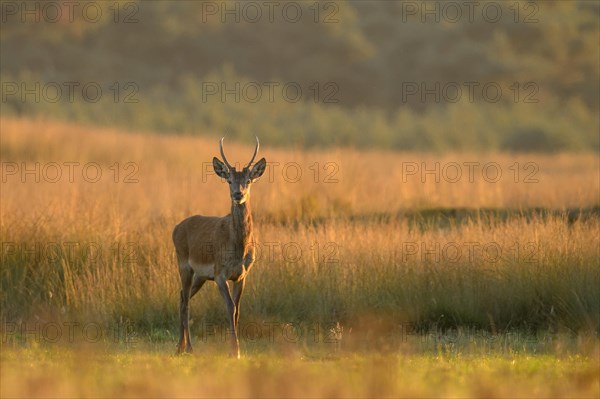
[
  {"x": 533, "y": 140},
  {"x": 369, "y": 53}
]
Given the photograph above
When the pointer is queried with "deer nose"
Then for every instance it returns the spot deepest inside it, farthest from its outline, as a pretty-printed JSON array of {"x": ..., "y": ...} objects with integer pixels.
[{"x": 237, "y": 196}]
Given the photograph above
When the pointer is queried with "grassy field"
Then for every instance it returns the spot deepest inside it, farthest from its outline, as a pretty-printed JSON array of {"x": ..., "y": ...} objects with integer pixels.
[
  {"x": 380, "y": 273},
  {"x": 416, "y": 368}
]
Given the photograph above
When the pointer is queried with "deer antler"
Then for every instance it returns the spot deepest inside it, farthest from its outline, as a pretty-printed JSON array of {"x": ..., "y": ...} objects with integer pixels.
[
  {"x": 223, "y": 153},
  {"x": 255, "y": 152}
]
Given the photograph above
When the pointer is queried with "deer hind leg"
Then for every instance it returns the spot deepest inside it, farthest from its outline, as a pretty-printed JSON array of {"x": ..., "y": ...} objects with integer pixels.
[
  {"x": 186, "y": 273},
  {"x": 197, "y": 283}
]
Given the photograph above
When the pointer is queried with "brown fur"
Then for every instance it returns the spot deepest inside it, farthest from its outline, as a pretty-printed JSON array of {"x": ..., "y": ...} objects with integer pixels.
[
  {"x": 222, "y": 241},
  {"x": 218, "y": 249}
]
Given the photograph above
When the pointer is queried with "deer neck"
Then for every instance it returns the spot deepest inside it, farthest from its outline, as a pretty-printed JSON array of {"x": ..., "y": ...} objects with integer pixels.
[{"x": 241, "y": 219}]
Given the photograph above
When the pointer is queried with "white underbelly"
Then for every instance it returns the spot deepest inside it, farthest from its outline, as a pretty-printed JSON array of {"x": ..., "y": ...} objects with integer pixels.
[{"x": 206, "y": 270}]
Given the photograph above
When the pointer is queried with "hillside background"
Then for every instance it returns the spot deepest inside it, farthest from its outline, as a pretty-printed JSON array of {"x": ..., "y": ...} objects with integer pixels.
[{"x": 355, "y": 63}]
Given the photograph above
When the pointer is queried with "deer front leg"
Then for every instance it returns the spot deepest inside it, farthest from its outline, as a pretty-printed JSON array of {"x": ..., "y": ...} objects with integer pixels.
[
  {"x": 224, "y": 290},
  {"x": 238, "y": 290}
]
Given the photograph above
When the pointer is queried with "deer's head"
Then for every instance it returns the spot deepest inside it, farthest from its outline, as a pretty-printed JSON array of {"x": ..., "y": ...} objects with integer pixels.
[{"x": 239, "y": 182}]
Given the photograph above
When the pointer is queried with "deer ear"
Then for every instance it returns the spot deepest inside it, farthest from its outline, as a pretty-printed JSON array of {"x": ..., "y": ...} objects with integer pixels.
[
  {"x": 220, "y": 168},
  {"x": 258, "y": 169}
]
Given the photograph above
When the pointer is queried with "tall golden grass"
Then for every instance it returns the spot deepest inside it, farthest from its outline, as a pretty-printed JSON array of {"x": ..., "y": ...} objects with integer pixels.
[{"x": 334, "y": 246}]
